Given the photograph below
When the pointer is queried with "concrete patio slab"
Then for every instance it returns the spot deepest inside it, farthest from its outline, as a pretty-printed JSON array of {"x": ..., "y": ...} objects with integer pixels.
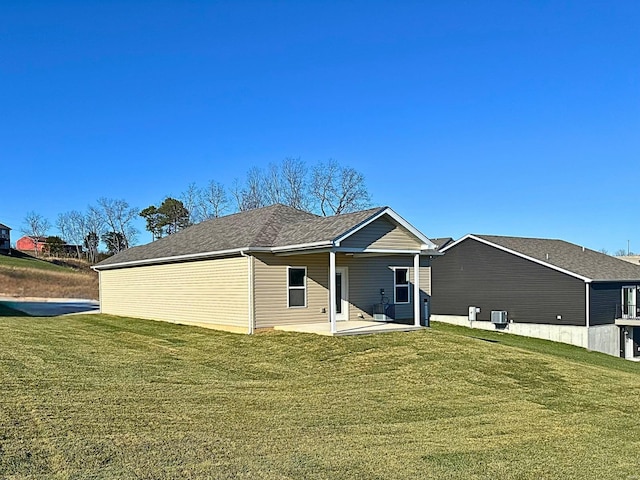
[{"x": 348, "y": 328}]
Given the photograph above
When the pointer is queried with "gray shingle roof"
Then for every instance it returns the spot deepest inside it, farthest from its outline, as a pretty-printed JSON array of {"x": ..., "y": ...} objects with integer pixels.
[
  {"x": 442, "y": 242},
  {"x": 568, "y": 256},
  {"x": 322, "y": 228},
  {"x": 2, "y": 225},
  {"x": 273, "y": 226}
]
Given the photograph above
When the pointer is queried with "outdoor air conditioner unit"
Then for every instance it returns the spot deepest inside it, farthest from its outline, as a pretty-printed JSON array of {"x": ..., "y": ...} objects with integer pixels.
[{"x": 499, "y": 317}]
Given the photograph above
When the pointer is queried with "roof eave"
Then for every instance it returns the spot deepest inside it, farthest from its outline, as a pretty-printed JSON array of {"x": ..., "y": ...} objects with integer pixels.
[{"x": 179, "y": 258}]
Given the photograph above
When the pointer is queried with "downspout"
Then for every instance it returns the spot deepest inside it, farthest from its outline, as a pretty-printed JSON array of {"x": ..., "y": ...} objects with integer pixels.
[
  {"x": 251, "y": 312},
  {"x": 99, "y": 289},
  {"x": 587, "y": 309}
]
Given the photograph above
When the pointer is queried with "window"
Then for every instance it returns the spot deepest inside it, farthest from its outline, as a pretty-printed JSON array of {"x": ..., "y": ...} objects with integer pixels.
[
  {"x": 401, "y": 285},
  {"x": 297, "y": 286}
]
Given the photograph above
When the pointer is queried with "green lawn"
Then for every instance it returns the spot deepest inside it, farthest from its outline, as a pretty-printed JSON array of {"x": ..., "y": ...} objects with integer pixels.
[
  {"x": 25, "y": 261},
  {"x": 104, "y": 397}
]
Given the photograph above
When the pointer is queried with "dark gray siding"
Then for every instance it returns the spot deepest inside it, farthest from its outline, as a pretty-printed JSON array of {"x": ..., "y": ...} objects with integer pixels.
[
  {"x": 472, "y": 273},
  {"x": 603, "y": 300}
]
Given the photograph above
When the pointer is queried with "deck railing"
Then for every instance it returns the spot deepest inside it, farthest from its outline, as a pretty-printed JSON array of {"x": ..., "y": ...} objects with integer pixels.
[{"x": 628, "y": 311}]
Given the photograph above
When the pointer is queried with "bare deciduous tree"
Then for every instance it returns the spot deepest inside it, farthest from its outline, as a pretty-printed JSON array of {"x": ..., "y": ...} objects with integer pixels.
[
  {"x": 78, "y": 229},
  {"x": 213, "y": 200},
  {"x": 72, "y": 228},
  {"x": 190, "y": 200},
  {"x": 95, "y": 225},
  {"x": 336, "y": 189},
  {"x": 35, "y": 227},
  {"x": 119, "y": 216},
  {"x": 251, "y": 194},
  {"x": 63, "y": 225},
  {"x": 294, "y": 175},
  {"x": 273, "y": 185}
]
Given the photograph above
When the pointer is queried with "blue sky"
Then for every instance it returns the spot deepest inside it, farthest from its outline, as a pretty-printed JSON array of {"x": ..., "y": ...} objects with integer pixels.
[{"x": 509, "y": 118}]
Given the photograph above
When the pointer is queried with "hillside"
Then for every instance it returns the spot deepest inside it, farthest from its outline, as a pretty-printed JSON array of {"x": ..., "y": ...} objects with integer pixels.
[
  {"x": 107, "y": 397},
  {"x": 26, "y": 276}
]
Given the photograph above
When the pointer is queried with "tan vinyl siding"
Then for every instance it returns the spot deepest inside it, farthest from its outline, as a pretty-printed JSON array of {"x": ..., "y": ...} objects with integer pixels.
[
  {"x": 270, "y": 290},
  {"x": 383, "y": 234},
  {"x": 203, "y": 292},
  {"x": 366, "y": 275}
]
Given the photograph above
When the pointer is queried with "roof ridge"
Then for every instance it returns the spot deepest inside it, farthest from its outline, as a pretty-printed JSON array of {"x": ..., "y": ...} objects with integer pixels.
[{"x": 266, "y": 223}]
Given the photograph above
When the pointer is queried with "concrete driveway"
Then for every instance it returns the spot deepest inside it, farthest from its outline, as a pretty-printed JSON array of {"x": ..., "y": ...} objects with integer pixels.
[{"x": 51, "y": 307}]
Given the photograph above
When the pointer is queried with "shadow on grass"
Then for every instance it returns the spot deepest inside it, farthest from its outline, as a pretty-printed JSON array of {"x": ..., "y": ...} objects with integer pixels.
[{"x": 6, "y": 311}]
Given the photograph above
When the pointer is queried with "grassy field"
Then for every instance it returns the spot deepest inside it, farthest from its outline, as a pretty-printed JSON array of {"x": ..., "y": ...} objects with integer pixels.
[
  {"x": 105, "y": 397},
  {"x": 26, "y": 276}
]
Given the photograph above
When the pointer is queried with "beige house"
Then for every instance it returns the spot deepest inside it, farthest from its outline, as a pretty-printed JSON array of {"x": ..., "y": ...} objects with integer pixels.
[{"x": 276, "y": 266}]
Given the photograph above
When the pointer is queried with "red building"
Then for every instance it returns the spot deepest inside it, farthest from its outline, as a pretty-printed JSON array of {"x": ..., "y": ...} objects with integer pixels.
[{"x": 30, "y": 244}]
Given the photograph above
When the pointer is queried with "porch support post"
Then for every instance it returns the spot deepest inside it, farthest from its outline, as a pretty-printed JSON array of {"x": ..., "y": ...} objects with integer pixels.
[
  {"x": 332, "y": 291},
  {"x": 416, "y": 289}
]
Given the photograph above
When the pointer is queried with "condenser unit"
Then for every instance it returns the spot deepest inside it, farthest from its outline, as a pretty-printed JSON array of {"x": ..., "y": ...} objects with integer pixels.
[{"x": 499, "y": 317}]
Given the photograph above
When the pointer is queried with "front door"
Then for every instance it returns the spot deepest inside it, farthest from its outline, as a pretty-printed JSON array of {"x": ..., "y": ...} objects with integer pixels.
[{"x": 342, "y": 293}]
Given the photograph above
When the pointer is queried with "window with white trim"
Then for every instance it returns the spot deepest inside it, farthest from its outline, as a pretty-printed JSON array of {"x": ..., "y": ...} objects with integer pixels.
[
  {"x": 297, "y": 287},
  {"x": 401, "y": 285}
]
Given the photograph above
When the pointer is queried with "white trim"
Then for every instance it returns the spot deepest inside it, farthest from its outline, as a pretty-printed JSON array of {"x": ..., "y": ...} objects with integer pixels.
[
  {"x": 252, "y": 311},
  {"x": 178, "y": 258},
  {"x": 100, "y": 297},
  {"x": 587, "y": 288},
  {"x": 280, "y": 251},
  {"x": 332, "y": 291},
  {"x": 385, "y": 251},
  {"x": 303, "y": 288},
  {"x": 416, "y": 290},
  {"x": 517, "y": 254},
  {"x": 426, "y": 243},
  {"x": 297, "y": 248},
  {"x": 300, "y": 246},
  {"x": 408, "y": 285},
  {"x": 344, "y": 299}
]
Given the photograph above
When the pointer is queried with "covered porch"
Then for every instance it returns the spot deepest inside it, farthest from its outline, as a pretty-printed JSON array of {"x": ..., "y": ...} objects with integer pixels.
[
  {"x": 369, "y": 277},
  {"x": 349, "y": 293}
]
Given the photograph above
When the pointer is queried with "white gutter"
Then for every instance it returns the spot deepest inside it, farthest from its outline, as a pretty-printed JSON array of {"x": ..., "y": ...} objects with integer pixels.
[
  {"x": 275, "y": 250},
  {"x": 252, "y": 313},
  {"x": 387, "y": 251},
  {"x": 177, "y": 258},
  {"x": 301, "y": 246},
  {"x": 587, "y": 285}
]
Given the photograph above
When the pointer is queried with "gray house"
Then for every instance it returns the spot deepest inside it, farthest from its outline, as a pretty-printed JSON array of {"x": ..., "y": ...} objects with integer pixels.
[
  {"x": 5, "y": 238},
  {"x": 274, "y": 267},
  {"x": 541, "y": 288}
]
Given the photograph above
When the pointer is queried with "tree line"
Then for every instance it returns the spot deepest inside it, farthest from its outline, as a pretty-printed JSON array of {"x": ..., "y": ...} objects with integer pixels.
[{"x": 325, "y": 188}]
